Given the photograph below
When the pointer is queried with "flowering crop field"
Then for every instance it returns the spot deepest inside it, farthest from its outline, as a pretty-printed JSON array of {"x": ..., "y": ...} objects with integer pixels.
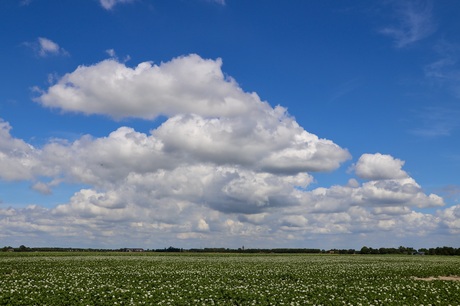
[{"x": 226, "y": 279}]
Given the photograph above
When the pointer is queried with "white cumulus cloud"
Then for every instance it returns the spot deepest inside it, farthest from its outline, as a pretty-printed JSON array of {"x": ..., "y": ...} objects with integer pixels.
[
  {"x": 223, "y": 166},
  {"x": 18, "y": 160},
  {"x": 211, "y": 119},
  {"x": 185, "y": 85},
  {"x": 379, "y": 167}
]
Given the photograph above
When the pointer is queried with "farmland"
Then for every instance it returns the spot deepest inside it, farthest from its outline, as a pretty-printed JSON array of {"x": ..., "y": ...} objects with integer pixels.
[{"x": 226, "y": 279}]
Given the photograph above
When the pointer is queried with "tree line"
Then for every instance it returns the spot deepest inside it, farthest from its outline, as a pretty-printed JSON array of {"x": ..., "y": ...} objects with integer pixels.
[
  {"x": 445, "y": 250},
  {"x": 411, "y": 251}
]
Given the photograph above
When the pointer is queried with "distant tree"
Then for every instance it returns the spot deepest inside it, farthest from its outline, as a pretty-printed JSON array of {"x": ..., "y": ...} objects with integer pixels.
[
  {"x": 365, "y": 250},
  {"x": 374, "y": 251},
  {"x": 383, "y": 251},
  {"x": 445, "y": 251},
  {"x": 23, "y": 248}
]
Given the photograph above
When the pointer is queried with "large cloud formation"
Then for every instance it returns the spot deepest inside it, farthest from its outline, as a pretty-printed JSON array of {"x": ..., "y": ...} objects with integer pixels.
[
  {"x": 224, "y": 168},
  {"x": 184, "y": 85}
]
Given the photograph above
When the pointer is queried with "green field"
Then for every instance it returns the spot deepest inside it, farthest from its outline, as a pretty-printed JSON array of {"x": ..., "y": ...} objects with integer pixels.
[{"x": 225, "y": 279}]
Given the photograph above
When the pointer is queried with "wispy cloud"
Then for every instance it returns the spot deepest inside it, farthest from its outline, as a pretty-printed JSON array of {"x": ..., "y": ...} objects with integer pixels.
[
  {"x": 445, "y": 70},
  {"x": 451, "y": 191},
  {"x": 111, "y": 53},
  {"x": 220, "y": 2},
  {"x": 109, "y": 4},
  {"x": 345, "y": 88},
  {"x": 414, "y": 22},
  {"x": 44, "y": 47},
  {"x": 25, "y": 2},
  {"x": 49, "y": 47},
  {"x": 437, "y": 122}
]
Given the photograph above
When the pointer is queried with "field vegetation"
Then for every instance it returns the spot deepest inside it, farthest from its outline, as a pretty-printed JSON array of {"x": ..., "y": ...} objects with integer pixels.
[{"x": 74, "y": 278}]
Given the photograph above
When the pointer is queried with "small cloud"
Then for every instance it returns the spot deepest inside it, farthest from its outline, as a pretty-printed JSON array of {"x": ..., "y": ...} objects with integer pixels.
[
  {"x": 379, "y": 167},
  {"x": 202, "y": 226},
  {"x": 46, "y": 188},
  {"x": 109, "y": 4},
  {"x": 111, "y": 53},
  {"x": 42, "y": 188},
  {"x": 220, "y": 2},
  {"x": 46, "y": 47},
  {"x": 353, "y": 183},
  {"x": 414, "y": 22}
]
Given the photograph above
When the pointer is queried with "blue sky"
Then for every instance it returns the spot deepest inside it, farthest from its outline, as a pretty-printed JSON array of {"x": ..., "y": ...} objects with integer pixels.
[{"x": 202, "y": 123}]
